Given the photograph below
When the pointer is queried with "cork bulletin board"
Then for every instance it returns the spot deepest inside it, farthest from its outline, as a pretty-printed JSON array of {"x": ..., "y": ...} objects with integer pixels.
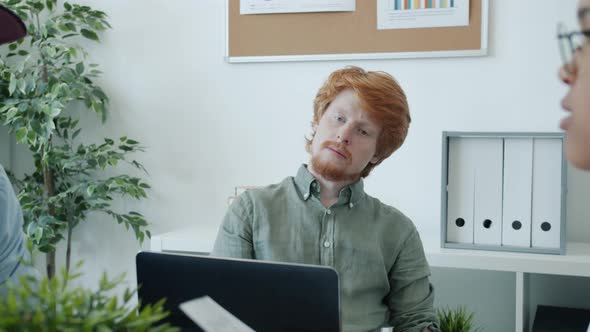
[{"x": 346, "y": 36}]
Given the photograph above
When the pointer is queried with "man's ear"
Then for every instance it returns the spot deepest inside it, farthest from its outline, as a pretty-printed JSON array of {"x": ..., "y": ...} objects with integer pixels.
[{"x": 375, "y": 160}]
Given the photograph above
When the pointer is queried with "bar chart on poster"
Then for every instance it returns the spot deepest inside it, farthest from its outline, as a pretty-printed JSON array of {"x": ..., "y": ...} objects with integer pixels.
[
  {"x": 421, "y": 4},
  {"x": 415, "y": 14}
]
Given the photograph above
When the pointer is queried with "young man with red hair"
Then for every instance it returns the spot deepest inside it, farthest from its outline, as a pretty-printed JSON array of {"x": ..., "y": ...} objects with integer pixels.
[{"x": 323, "y": 215}]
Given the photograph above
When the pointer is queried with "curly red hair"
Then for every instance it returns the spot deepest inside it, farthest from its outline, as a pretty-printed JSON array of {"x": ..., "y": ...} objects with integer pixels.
[{"x": 380, "y": 96}]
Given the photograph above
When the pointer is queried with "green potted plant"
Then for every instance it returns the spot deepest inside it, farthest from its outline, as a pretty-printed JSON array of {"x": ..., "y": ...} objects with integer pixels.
[
  {"x": 54, "y": 305},
  {"x": 45, "y": 81},
  {"x": 456, "y": 320}
]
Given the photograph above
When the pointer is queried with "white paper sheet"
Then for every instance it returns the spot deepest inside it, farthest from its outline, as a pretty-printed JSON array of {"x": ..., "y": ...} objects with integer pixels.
[
  {"x": 295, "y": 6},
  {"x": 410, "y": 14},
  {"x": 212, "y": 317}
]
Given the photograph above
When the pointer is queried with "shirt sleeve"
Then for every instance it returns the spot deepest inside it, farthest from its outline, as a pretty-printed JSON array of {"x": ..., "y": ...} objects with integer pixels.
[
  {"x": 12, "y": 239},
  {"x": 411, "y": 299},
  {"x": 234, "y": 238}
]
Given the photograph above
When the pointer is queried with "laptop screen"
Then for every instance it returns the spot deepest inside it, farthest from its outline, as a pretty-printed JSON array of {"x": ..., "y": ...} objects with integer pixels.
[{"x": 266, "y": 296}]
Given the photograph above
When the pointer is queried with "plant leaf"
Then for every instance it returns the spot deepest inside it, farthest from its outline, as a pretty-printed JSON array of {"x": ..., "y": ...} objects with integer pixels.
[
  {"x": 12, "y": 84},
  {"x": 20, "y": 134},
  {"x": 89, "y": 34},
  {"x": 80, "y": 68}
]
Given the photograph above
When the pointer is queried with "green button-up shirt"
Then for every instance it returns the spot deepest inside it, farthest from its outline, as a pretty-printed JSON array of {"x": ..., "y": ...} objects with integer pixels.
[{"x": 374, "y": 247}]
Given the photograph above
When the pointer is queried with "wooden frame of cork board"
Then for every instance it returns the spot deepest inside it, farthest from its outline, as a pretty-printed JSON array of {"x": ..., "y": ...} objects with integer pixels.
[{"x": 346, "y": 36}]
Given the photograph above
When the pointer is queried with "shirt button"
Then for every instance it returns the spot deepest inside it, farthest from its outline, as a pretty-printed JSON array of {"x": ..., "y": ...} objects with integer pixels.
[
  {"x": 306, "y": 196},
  {"x": 350, "y": 205},
  {"x": 329, "y": 211},
  {"x": 327, "y": 244}
]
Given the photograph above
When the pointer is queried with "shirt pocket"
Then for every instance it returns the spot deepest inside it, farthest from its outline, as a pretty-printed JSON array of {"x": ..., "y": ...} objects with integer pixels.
[{"x": 362, "y": 268}]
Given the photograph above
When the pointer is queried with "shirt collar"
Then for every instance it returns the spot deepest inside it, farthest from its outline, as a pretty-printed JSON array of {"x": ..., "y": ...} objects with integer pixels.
[{"x": 307, "y": 185}]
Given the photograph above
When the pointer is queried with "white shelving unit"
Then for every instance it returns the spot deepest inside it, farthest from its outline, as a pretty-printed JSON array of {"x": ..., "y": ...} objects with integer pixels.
[{"x": 576, "y": 261}]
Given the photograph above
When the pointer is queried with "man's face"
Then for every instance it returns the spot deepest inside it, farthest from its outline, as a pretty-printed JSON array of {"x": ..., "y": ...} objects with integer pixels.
[
  {"x": 345, "y": 140},
  {"x": 577, "y": 100}
]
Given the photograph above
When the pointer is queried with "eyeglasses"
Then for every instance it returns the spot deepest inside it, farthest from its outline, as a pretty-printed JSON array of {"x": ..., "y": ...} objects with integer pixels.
[{"x": 570, "y": 42}]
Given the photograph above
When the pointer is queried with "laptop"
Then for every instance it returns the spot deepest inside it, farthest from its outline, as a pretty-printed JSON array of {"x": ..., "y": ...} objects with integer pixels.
[
  {"x": 266, "y": 296},
  {"x": 561, "y": 319}
]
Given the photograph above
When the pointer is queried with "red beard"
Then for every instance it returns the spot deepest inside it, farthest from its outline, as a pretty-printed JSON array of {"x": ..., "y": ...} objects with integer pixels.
[{"x": 332, "y": 171}]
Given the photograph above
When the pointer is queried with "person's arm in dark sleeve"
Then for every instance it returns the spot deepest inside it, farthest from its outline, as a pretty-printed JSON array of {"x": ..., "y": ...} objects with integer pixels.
[{"x": 411, "y": 299}]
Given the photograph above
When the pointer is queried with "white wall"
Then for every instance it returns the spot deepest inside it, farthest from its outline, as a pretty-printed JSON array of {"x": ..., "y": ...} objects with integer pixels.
[
  {"x": 489, "y": 295},
  {"x": 210, "y": 125}
]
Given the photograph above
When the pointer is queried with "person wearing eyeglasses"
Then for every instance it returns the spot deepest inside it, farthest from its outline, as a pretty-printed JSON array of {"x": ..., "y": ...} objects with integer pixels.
[
  {"x": 12, "y": 239},
  {"x": 575, "y": 72}
]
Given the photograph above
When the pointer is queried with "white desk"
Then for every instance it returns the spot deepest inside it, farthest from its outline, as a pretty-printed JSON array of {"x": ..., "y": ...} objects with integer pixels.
[
  {"x": 576, "y": 262},
  {"x": 189, "y": 240}
]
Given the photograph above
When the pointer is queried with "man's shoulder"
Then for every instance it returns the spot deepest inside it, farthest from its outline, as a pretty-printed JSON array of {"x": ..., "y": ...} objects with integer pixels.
[
  {"x": 268, "y": 193},
  {"x": 7, "y": 195},
  {"x": 4, "y": 182},
  {"x": 389, "y": 214}
]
